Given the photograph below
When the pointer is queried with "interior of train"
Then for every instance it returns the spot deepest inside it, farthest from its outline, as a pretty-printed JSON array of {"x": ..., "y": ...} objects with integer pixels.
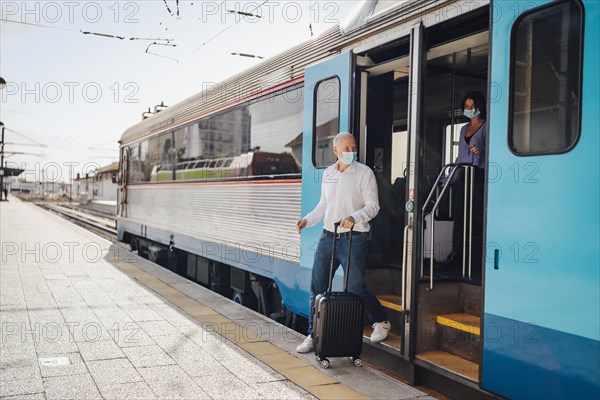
[{"x": 456, "y": 54}]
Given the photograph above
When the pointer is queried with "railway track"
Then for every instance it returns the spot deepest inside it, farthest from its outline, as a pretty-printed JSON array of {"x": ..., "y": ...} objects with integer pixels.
[{"x": 102, "y": 224}]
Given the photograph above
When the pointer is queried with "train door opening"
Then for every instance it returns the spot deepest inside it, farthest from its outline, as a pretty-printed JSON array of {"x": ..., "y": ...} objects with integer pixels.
[
  {"x": 386, "y": 152},
  {"x": 449, "y": 268},
  {"x": 410, "y": 139}
]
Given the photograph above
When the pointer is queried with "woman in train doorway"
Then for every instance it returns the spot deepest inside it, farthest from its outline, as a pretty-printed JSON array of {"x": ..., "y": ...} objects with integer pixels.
[{"x": 471, "y": 150}]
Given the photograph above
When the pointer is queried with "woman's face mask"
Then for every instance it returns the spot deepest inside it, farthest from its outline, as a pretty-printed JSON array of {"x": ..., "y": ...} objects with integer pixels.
[{"x": 471, "y": 113}]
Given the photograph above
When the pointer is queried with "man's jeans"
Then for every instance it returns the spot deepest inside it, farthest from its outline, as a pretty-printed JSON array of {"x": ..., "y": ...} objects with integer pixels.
[{"x": 356, "y": 279}]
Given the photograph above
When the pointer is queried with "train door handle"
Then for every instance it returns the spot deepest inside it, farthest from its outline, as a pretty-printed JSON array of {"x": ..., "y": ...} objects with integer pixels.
[{"x": 496, "y": 258}]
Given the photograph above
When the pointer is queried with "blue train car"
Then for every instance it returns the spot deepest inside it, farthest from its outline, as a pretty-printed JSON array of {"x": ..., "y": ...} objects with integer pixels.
[
  {"x": 541, "y": 286},
  {"x": 491, "y": 276}
]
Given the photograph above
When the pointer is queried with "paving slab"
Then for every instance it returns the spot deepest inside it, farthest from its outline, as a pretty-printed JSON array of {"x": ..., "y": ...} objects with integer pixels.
[
  {"x": 147, "y": 356},
  {"x": 127, "y": 391},
  {"x": 226, "y": 386},
  {"x": 281, "y": 390},
  {"x": 172, "y": 382},
  {"x": 94, "y": 350},
  {"x": 71, "y": 387},
  {"x": 76, "y": 366},
  {"x": 18, "y": 387},
  {"x": 108, "y": 372}
]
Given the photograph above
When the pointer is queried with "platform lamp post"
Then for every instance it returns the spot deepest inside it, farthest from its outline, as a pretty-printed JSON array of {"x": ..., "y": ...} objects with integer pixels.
[
  {"x": 2, "y": 159},
  {"x": 2, "y": 85}
]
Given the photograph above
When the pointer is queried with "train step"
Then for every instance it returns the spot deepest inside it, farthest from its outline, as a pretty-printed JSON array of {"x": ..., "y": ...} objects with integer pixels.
[
  {"x": 391, "y": 343},
  {"x": 391, "y": 301},
  {"x": 464, "y": 322},
  {"x": 459, "y": 334},
  {"x": 393, "y": 305},
  {"x": 445, "y": 363}
]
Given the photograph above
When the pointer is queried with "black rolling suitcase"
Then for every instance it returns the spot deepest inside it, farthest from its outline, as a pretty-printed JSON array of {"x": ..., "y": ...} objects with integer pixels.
[{"x": 338, "y": 319}]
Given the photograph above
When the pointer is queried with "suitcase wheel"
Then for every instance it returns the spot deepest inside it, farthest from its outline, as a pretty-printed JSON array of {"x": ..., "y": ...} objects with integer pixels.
[
  {"x": 357, "y": 362},
  {"x": 325, "y": 363}
]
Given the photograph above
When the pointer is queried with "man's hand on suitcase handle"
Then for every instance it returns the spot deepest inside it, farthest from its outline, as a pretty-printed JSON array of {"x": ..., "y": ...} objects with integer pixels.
[{"x": 347, "y": 223}]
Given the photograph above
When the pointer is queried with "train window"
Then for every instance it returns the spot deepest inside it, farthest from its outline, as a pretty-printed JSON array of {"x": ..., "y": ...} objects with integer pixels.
[
  {"x": 451, "y": 139},
  {"x": 276, "y": 124},
  {"x": 545, "y": 92},
  {"x": 150, "y": 154},
  {"x": 181, "y": 138},
  {"x": 168, "y": 158},
  {"x": 399, "y": 155},
  {"x": 135, "y": 165},
  {"x": 326, "y": 122}
]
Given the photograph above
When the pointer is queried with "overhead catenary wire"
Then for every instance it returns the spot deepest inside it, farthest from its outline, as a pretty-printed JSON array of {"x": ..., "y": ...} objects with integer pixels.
[
  {"x": 230, "y": 26},
  {"x": 153, "y": 39},
  {"x": 160, "y": 55},
  {"x": 107, "y": 35},
  {"x": 36, "y": 143},
  {"x": 8, "y": 154},
  {"x": 103, "y": 35},
  {"x": 37, "y": 25},
  {"x": 245, "y": 14},
  {"x": 246, "y": 55},
  {"x": 103, "y": 144},
  {"x": 24, "y": 144},
  {"x": 167, "y": 5},
  {"x": 200, "y": 18}
]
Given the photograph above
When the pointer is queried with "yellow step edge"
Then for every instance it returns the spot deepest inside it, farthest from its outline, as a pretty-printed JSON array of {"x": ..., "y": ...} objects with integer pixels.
[
  {"x": 453, "y": 323},
  {"x": 389, "y": 304}
]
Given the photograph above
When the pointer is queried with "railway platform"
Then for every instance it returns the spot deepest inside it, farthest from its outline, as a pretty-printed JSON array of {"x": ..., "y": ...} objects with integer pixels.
[{"x": 81, "y": 317}]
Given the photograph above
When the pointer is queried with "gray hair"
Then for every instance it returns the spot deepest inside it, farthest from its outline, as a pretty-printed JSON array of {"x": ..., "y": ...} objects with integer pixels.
[{"x": 339, "y": 136}]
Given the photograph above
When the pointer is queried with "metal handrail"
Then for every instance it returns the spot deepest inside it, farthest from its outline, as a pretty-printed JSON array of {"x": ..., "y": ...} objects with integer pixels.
[
  {"x": 404, "y": 258},
  {"x": 424, "y": 210},
  {"x": 403, "y": 297},
  {"x": 468, "y": 208},
  {"x": 468, "y": 205}
]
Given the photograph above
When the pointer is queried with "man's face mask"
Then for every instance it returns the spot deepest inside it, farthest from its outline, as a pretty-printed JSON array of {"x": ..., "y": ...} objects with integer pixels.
[{"x": 348, "y": 157}]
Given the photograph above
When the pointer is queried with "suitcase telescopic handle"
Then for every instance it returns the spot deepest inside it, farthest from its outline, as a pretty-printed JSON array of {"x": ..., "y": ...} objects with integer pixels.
[{"x": 347, "y": 271}]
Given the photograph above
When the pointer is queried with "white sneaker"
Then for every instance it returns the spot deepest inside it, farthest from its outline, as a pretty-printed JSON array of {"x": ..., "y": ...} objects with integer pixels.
[
  {"x": 380, "y": 331},
  {"x": 305, "y": 346}
]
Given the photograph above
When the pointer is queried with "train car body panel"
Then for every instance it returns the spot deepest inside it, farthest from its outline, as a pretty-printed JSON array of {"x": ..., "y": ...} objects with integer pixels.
[
  {"x": 542, "y": 295},
  {"x": 234, "y": 213}
]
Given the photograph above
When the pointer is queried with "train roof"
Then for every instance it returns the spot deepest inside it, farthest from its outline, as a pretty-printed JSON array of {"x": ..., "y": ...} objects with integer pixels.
[{"x": 284, "y": 67}]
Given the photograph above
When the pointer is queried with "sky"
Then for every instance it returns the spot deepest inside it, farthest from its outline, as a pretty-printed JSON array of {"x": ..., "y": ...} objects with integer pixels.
[{"x": 70, "y": 94}]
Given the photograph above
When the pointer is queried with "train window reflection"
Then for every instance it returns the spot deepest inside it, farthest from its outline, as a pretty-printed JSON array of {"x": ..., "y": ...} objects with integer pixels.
[
  {"x": 546, "y": 80},
  {"x": 260, "y": 139},
  {"x": 136, "y": 175},
  {"x": 165, "y": 170},
  {"x": 326, "y": 122},
  {"x": 152, "y": 158}
]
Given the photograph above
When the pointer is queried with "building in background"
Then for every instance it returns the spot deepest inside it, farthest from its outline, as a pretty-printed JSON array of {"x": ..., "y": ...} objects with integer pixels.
[{"x": 105, "y": 190}]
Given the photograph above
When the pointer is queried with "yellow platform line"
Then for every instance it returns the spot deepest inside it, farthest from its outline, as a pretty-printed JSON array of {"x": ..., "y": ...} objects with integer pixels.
[
  {"x": 297, "y": 371},
  {"x": 474, "y": 330}
]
